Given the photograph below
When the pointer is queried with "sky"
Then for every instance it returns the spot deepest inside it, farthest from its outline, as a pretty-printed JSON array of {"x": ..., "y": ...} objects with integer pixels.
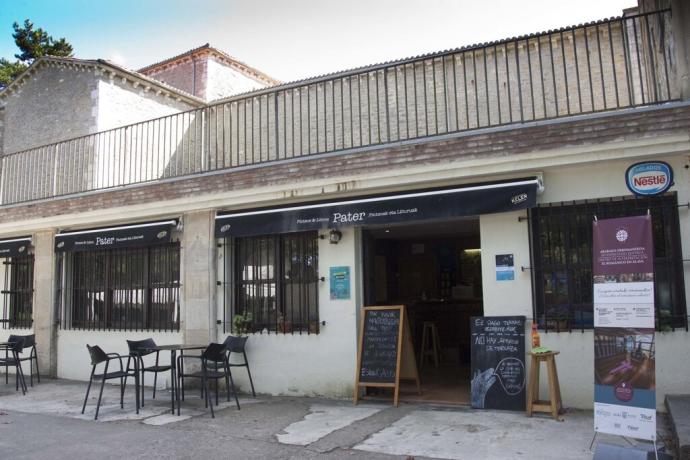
[{"x": 290, "y": 39}]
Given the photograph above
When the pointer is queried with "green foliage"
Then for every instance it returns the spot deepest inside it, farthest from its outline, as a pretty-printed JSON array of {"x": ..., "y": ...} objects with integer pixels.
[
  {"x": 33, "y": 43},
  {"x": 241, "y": 323},
  {"x": 9, "y": 71}
]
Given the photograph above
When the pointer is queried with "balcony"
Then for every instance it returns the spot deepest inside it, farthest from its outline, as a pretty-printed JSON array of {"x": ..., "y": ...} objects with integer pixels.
[{"x": 604, "y": 66}]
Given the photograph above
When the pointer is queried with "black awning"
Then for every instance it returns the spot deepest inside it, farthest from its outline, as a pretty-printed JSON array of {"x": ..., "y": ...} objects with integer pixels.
[
  {"x": 115, "y": 237},
  {"x": 15, "y": 247},
  {"x": 381, "y": 210}
]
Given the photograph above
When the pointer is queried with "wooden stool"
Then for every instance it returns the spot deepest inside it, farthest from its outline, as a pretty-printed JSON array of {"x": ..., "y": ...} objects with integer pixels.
[
  {"x": 431, "y": 344},
  {"x": 554, "y": 404}
]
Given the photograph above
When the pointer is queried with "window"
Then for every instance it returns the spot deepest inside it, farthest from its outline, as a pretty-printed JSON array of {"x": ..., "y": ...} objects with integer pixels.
[
  {"x": 562, "y": 260},
  {"x": 18, "y": 292},
  {"x": 122, "y": 289},
  {"x": 275, "y": 283}
]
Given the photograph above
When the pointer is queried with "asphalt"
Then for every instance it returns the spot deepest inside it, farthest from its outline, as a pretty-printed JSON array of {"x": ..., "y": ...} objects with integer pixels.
[{"x": 47, "y": 424}]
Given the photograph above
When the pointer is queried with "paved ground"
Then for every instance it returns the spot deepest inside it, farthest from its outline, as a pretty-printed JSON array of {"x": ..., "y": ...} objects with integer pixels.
[{"x": 47, "y": 424}]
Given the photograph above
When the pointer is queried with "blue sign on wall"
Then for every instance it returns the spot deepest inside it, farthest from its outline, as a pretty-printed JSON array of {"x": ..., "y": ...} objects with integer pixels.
[
  {"x": 340, "y": 283},
  {"x": 649, "y": 178}
]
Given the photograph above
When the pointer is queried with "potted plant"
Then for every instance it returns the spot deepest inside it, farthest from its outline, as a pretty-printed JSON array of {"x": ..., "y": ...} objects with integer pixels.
[{"x": 241, "y": 324}]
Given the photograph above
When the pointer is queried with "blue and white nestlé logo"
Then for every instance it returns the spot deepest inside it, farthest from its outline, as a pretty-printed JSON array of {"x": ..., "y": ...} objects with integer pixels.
[{"x": 649, "y": 178}]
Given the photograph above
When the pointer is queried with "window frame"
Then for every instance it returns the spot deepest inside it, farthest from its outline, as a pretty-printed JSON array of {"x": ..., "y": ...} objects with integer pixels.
[
  {"x": 125, "y": 272},
  {"x": 665, "y": 205},
  {"x": 18, "y": 292},
  {"x": 306, "y": 320}
]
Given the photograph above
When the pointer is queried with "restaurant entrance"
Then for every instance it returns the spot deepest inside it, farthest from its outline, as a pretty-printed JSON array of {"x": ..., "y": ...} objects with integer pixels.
[{"x": 434, "y": 269}]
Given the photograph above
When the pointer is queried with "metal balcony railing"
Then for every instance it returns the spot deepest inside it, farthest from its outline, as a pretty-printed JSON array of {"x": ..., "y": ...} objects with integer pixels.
[{"x": 607, "y": 65}]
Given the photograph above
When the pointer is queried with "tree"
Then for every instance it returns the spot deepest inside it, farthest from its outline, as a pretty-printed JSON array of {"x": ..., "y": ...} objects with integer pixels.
[
  {"x": 36, "y": 43},
  {"x": 33, "y": 44}
]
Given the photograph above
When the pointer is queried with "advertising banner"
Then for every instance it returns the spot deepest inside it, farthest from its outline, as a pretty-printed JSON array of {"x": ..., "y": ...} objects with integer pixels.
[{"x": 624, "y": 352}]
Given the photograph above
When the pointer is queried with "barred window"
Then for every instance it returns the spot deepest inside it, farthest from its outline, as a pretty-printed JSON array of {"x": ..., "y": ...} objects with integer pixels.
[
  {"x": 275, "y": 283},
  {"x": 18, "y": 292},
  {"x": 562, "y": 260},
  {"x": 122, "y": 289}
]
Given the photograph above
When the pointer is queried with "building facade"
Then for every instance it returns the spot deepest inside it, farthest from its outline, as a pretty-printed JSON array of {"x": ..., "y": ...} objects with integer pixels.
[{"x": 411, "y": 177}]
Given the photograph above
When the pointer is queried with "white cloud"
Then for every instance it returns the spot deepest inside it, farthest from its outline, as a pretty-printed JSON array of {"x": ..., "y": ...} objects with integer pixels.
[{"x": 117, "y": 57}]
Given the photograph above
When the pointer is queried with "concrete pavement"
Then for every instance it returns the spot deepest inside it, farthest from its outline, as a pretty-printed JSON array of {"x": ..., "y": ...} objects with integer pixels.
[{"x": 47, "y": 424}]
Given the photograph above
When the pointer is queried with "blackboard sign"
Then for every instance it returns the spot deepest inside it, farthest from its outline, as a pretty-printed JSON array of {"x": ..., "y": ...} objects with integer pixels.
[
  {"x": 385, "y": 352},
  {"x": 380, "y": 346},
  {"x": 498, "y": 362}
]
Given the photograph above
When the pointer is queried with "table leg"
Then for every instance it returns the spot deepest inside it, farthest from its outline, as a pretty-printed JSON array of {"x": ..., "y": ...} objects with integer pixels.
[
  {"x": 533, "y": 383},
  {"x": 173, "y": 382},
  {"x": 136, "y": 382}
]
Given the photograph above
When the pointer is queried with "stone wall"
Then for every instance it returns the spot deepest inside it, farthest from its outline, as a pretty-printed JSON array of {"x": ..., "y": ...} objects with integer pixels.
[
  {"x": 55, "y": 103},
  {"x": 123, "y": 103},
  {"x": 224, "y": 81}
]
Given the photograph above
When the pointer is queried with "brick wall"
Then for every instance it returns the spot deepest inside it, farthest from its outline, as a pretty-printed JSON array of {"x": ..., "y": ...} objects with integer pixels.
[
  {"x": 188, "y": 75},
  {"x": 631, "y": 126},
  {"x": 205, "y": 76}
]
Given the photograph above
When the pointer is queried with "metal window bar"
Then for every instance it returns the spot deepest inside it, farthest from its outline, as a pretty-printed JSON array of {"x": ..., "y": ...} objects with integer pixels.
[
  {"x": 17, "y": 292},
  {"x": 561, "y": 244},
  {"x": 272, "y": 283},
  {"x": 120, "y": 289},
  {"x": 607, "y": 60}
]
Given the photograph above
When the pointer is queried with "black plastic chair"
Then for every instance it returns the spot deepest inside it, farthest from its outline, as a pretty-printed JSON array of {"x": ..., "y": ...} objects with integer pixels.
[
  {"x": 29, "y": 342},
  {"x": 137, "y": 350},
  {"x": 214, "y": 366},
  {"x": 12, "y": 351},
  {"x": 98, "y": 356},
  {"x": 237, "y": 345}
]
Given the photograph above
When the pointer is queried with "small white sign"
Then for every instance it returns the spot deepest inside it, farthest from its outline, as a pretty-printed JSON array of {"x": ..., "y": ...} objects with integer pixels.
[
  {"x": 624, "y": 305},
  {"x": 628, "y": 421}
]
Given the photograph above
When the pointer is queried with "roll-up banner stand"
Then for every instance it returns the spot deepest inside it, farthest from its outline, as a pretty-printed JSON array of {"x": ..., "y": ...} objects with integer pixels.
[
  {"x": 384, "y": 209},
  {"x": 115, "y": 237},
  {"x": 15, "y": 247},
  {"x": 624, "y": 351}
]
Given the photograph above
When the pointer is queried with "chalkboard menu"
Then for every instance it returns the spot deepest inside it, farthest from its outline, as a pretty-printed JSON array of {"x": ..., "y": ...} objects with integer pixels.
[
  {"x": 498, "y": 362},
  {"x": 379, "y": 359}
]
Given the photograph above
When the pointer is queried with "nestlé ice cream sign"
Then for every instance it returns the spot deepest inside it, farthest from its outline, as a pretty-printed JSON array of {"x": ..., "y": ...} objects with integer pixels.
[{"x": 649, "y": 178}]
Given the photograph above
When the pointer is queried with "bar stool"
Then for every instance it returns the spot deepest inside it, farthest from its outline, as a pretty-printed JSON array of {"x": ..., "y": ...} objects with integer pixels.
[
  {"x": 431, "y": 344},
  {"x": 554, "y": 404}
]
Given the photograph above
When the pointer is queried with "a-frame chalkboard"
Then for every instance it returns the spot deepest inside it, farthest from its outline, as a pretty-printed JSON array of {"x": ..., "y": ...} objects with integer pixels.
[
  {"x": 498, "y": 362},
  {"x": 385, "y": 353}
]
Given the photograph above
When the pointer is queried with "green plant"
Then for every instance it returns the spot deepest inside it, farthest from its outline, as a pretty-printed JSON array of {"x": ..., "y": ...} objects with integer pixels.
[{"x": 241, "y": 323}]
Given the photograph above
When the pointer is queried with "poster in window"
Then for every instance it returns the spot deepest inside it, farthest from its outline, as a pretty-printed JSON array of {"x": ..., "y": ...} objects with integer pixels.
[
  {"x": 340, "y": 283},
  {"x": 624, "y": 345}
]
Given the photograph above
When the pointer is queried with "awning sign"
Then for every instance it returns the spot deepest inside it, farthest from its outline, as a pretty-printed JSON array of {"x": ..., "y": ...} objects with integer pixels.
[
  {"x": 115, "y": 237},
  {"x": 382, "y": 210},
  {"x": 15, "y": 247}
]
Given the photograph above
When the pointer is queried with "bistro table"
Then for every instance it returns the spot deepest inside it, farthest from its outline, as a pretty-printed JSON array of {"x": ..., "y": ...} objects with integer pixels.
[{"x": 173, "y": 349}]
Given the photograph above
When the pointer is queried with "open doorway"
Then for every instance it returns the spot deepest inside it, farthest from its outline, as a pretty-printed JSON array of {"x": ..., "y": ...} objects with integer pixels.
[{"x": 434, "y": 269}]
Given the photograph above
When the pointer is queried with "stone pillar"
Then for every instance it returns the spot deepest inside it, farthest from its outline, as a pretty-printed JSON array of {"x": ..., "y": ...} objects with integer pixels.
[
  {"x": 198, "y": 307},
  {"x": 44, "y": 324}
]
